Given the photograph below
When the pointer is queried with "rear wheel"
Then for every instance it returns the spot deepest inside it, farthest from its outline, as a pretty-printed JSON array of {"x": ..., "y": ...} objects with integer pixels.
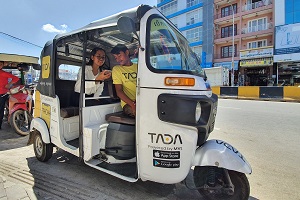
[
  {"x": 42, "y": 151},
  {"x": 20, "y": 122},
  {"x": 214, "y": 185}
]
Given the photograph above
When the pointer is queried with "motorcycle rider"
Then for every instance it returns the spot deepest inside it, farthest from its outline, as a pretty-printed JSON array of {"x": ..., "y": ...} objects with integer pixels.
[{"x": 6, "y": 82}]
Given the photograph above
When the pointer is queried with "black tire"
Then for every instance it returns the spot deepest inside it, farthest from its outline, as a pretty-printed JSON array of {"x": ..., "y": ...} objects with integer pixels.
[
  {"x": 6, "y": 112},
  {"x": 43, "y": 152},
  {"x": 18, "y": 122},
  {"x": 239, "y": 180}
]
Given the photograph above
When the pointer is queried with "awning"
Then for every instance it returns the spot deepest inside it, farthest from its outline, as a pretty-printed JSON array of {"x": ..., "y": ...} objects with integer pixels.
[
  {"x": 227, "y": 65},
  {"x": 18, "y": 58},
  {"x": 258, "y": 62}
]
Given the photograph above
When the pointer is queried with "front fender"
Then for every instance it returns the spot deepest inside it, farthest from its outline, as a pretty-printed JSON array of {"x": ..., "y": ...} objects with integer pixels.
[
  {"x": 18, "y": 106},
  {"x": 221, "y": 154},
  {"x": 41, "y": 126}
]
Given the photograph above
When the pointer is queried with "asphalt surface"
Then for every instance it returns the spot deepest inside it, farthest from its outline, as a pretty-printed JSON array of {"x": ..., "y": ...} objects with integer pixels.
[
  {"x": 266, "y": 133},
  {"x": 22, "y": 176}
]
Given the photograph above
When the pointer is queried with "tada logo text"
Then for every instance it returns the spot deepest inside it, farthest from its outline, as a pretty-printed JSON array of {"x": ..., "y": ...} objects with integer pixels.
[{"x": 165, "y": 138}]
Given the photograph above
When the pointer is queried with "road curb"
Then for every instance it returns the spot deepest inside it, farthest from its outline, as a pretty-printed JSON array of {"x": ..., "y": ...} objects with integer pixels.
[{"x": 259, "y": 99}]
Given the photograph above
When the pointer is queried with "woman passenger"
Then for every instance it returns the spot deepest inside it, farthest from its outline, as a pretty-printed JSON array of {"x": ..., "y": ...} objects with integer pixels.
[{"x": 93, "y": 71}]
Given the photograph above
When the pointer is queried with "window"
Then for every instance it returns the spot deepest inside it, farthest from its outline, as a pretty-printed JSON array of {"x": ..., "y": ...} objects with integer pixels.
[
  {"x": 257, "y": 44},
  {"x": 252, "y": 4},
  {"x": 169, "y": 8},
  {"x": 227, "y": 31},
  {"x": 194, "y": 35},
  {"x": 194, "y": 17},
  {"x": 198, "y": 51},
  {"x": 190, "y": 3},
  {"x": 257, "y": 25},
  {"x": 226, "y": 51},
  {"x": 226, "y": 11},
  {"x": 169, "y": 50},
  {"x": 174, "y": 21},
  {"x": 68, "y": 72}
]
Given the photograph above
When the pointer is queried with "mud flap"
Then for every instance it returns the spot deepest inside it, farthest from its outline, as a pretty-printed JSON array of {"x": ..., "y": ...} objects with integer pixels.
[{"x": 31, "y": 138}]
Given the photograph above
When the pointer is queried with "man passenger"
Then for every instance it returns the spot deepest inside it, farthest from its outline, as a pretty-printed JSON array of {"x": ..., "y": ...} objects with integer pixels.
[{"x": 124, "y": 78}]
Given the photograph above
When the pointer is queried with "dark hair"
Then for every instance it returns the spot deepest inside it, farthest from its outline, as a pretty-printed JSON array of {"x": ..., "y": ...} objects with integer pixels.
[
  {"x": 93, "y": 52},
  {"x": 118, "y": 48}
]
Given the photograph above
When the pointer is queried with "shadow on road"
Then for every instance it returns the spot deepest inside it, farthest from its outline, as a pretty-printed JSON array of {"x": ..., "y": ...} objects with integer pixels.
[
  {"x": 9, "y": 139},
  {"x": 64, "y": 170}
]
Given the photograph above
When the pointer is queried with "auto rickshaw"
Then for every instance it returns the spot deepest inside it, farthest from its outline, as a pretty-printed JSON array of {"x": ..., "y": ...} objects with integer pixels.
[
  {"x": 18, "y": 108},
  {"x": 175, "y": 108}
]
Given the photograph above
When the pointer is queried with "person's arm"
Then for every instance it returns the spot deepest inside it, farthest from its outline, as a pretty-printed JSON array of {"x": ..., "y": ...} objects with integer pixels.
[
  {"x": 14, "y": 79},
  {"x": 124, "y": 97},
  {"x": 103, "y": 76}
]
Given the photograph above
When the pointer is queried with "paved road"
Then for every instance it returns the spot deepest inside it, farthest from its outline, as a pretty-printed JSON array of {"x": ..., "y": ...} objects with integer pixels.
[
  {"x": 267, "y": 134},
  {"x": 63, "y": 177}
]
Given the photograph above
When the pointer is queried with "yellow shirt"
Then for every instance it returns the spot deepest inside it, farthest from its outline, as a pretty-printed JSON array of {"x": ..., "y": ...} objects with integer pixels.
[{"x": 126, "y": 76}]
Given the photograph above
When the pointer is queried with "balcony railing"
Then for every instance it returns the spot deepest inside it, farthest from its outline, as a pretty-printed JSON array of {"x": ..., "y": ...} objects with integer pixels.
[
  {"x": 226, "y": 34},
  {"x": 256, "y": 5},
  {"x": 229, "y": 55},
  {"x": 257, "y": 28},
  {"x": 225, "y": 14}
]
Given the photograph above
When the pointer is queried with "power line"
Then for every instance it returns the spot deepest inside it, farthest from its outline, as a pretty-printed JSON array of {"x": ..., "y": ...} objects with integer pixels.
[{"x": 20, "y": 39}]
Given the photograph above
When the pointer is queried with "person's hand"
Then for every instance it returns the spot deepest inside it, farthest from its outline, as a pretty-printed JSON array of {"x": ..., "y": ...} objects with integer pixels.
[
  {"x": 103, "y": 75},
  {"x": 8, "y": 86},
  {"x": 133, "y": 108}
]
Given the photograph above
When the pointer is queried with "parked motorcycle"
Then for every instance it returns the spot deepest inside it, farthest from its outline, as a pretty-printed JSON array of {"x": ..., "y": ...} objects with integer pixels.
[{"x": 19, "y": 108}]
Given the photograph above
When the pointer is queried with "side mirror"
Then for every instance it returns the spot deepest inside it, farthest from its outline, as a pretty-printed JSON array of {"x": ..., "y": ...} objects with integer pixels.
[{"x": 126, "y": 25}]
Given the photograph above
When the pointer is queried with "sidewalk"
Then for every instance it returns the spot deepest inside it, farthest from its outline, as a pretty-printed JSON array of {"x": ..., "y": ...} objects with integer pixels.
[
  {"x": 13, "y": 191},
  {"x": 259, "y": 99}
]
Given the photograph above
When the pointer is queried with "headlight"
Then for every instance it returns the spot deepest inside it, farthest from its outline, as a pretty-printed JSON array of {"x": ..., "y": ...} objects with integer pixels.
[
  {"x": 14, "y": 90},
  {"x": 198, "y": 112}
]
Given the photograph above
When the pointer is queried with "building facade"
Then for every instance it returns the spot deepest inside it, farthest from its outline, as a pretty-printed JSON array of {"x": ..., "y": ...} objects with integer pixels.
[
  {"x": 194, "y": 18},
  {"x": 243, "y": 40},
  {"x": 287, "y": 41}
]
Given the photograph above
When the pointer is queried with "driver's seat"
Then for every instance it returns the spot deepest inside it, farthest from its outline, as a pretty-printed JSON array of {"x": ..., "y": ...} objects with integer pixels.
[{"x": 118, "y": 117}]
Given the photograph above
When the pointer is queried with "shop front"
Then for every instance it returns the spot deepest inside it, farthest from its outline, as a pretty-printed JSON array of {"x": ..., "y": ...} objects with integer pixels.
[
  {"x": 289, "y": 74},
  {"x": 287, "y": 54},
  {"x": 256, "y": 67},
  {"x": 228, "y": 65}
]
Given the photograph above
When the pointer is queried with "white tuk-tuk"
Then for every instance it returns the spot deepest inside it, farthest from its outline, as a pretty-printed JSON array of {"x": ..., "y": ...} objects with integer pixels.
[{"x": 175, "y": 108}]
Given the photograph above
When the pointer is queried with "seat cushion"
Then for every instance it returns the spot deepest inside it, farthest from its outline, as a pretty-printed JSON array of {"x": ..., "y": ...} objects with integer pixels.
[{"x": 120, "y": 117}]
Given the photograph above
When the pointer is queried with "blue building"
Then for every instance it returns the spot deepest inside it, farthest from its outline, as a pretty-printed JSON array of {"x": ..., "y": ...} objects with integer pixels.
[
  {"x": 287, "y": 41},
  {"x": 194, "y": 18}
]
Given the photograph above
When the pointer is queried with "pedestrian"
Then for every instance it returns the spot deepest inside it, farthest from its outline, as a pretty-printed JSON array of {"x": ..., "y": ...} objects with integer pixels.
[
  {"x": 124, "y": 78},
  {"x": 6, "y": 82}
]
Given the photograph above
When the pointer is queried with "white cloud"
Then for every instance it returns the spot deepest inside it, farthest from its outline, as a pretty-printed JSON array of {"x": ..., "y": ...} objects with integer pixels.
[{"x": 50, "y": 28}]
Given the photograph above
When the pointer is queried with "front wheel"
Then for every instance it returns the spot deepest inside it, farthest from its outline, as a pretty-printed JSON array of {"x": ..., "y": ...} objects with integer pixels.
[
  {"x": 42, "y": 151},
  {"x": 20, "y": 122},
  {"x": 214, "y": 185}
]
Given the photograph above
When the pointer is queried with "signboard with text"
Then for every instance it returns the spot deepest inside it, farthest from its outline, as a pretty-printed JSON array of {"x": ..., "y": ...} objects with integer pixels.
[
  {"x": 256, "y": 53},
  {"x": 287, "y": 46}
]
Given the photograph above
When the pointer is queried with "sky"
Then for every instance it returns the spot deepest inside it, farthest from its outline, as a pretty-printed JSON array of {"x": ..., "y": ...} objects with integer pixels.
[{"x": 26, "y": 25}]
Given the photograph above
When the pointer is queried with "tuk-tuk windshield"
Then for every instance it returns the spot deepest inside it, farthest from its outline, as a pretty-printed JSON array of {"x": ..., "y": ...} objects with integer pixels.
[{"x": 169, "y": 50}]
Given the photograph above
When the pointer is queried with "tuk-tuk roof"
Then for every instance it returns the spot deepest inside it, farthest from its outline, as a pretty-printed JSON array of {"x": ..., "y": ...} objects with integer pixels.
[
  {"x": 104, "y": 22},
  {"x": 18, "y": 58}
]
